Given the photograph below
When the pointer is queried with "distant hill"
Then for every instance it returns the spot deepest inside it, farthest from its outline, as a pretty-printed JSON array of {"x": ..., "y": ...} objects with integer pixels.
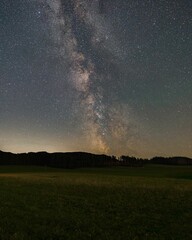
[
  {"x": 58, "y": 159},
  {"x": 172, "y": 160},
  {"x": 83, "y": 159}
]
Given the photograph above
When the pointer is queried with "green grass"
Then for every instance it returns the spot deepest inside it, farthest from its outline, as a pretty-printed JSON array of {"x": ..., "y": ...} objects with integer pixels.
[{"x": 153, "y": 202}]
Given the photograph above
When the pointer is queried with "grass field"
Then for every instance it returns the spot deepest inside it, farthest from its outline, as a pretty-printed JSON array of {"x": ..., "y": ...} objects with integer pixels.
[{"x": 153, "y": 202}]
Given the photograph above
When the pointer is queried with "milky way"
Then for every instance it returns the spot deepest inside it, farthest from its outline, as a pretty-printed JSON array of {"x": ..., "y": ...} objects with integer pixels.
[
  {"x": 102, "y": 76},
  {"x": 81, "y": 32}
]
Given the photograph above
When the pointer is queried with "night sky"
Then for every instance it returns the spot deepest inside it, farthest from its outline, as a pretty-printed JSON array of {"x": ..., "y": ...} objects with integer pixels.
[{"x": 102, "y": 76}]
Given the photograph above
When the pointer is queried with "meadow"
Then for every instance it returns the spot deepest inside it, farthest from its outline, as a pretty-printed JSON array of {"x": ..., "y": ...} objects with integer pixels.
[{"x": 150, "y": 202}]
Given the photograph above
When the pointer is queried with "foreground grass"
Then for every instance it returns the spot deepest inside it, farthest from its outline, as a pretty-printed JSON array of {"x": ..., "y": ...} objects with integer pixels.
[{"x": 154, "y": 202}]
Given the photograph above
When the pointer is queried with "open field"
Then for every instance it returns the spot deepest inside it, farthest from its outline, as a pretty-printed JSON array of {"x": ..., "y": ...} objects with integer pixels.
[{"x": 153, "y": 202}]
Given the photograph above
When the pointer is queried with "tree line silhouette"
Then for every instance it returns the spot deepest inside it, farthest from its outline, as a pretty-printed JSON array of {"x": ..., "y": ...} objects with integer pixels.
[{"x": 83, "y": 159}]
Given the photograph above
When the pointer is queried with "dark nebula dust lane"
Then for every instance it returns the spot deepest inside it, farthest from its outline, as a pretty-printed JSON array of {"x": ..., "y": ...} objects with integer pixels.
[{"x": 109, "y": 77}]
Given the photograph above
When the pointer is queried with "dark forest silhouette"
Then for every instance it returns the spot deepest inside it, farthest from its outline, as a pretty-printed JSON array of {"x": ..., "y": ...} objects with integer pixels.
[{"x": 83, "y": 159}]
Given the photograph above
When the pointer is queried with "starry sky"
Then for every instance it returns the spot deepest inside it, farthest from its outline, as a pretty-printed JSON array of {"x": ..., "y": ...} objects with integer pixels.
[{"x": 102, "y": 76}]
